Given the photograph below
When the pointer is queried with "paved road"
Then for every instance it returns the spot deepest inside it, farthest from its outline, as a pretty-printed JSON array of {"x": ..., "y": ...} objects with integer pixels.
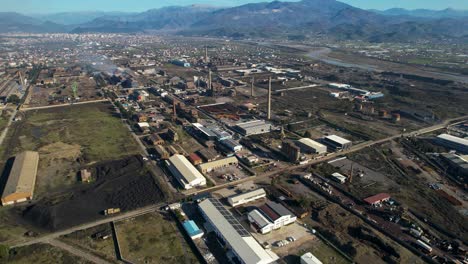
[
  {"x": 63, "y": 105},
  {"x": 296, "y": 88},
  {"x": 77, "y": 252}
]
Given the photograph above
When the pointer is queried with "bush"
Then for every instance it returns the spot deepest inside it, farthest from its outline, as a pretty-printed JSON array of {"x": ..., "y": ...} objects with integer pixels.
[{"x": 4, "y": 252}]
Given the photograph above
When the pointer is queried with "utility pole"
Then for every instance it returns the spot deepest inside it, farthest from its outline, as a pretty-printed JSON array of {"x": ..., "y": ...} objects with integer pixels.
[{"x": 210, "y": 85}]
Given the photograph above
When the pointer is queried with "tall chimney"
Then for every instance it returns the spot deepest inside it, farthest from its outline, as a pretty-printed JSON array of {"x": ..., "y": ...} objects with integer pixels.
[
  {"x": 210, "y": 85},
  {"x": 174, "y": 114},
  {"x": 269, "y": 99},
  {"x": 252, "y": 87},
  {"x": 206, "y": 54}
]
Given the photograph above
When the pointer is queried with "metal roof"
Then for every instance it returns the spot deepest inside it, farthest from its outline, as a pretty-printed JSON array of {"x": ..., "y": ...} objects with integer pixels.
[
  {"x": 279, "y": 209},
  {"x": 259, "y": 219},
  {"x": 247, "y": 195},
  {"x": 191, "y": 228},
  {"x": 309, "y": 258},
  {"x": 234, "y": 234},
  {"x": 377, "y": 198},
  {"x": 185, "y": 168},
  {"x": 338, "y": 139},
  {"x": 454, "y": 139},
  {"x": 22, "y": 175},
  {"x": 313, "y": 144}
]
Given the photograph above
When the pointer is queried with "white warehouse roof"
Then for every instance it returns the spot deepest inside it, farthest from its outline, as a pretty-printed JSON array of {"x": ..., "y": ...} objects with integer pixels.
[
  {"x": 247, "y": 196},
  {"x": 454, "y": 139},
  {"x": 245, "y": 247},
  {"x": 338, "y": 139},
  {"x": 309, "y": 258},
  {"x": 313, "y": 144},
  {"x": 185, "y": 171}
]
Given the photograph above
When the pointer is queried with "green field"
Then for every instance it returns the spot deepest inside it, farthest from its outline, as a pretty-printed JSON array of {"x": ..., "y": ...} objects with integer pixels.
[
  {"x": 100, "y": 134},
  {"x": 152, "y": 238},
  {"x": 41, "y": 254}
]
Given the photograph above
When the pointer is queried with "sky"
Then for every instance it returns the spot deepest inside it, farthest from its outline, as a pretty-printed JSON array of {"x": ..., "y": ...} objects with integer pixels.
[{"x": 53, "y": 6}]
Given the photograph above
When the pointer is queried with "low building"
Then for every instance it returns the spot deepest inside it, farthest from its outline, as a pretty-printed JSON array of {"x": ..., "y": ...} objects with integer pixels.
[
  {"x": 308, "y": 145},
  {"x": 155, "y": 140},
  {"x": 185, "y": 173},
  {"x": 172, "y": 135},
  {"x": 336, "y": 143},
  {"x": 19, "y": 186},
  {"x": 162, "y": 152},
  {"x": 245, "y": 249},
  {"x": 338, "y": 177},
  {"x": 254, "y": 127},
  {"x": 309, "y": 258},
  {"x": 195, "y": 159},
  {"x": 192, "y": 229},
  {"x": 247, "y": 197},
  {"x": 231, "y": 145},
  {"x": 213, "y": 165},
  {"x": 259, "y": 222},
  {"x": 208, "y": 155},
  {"x": 377, "y": 199},
  {"x": 277, "y": 214},
  {"x": 453, "y": 142}
]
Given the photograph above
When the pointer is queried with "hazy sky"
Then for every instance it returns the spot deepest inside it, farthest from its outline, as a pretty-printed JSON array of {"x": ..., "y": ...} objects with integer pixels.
[{"x": 50, "y": 6}]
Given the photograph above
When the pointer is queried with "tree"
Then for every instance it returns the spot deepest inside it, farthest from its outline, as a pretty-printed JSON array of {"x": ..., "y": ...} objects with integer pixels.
[{"x": 14, "y": 99}]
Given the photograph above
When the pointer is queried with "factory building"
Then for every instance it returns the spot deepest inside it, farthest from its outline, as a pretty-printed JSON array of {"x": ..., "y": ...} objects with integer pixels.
[
  {"x": 338, "y": 177},
  {"x": 259, "y": 222},
  {"x": 247, "y": 197},
  {"x": 22, "y": 178},
  {"x": 254, "y": 127},
  {"x": 377, "y": 199},
  {"x": 221, "y": 134},
  {"x": 458, "y": 163},
  {"x": 181, "y": 63},
  {"x": 453, "y": 142},
  {"x": 232, "y": 145},
  {"x": 203, "y": 131},
  {"x": 185, "y": 173},
  {"x": 291, "y": 151},
  {"x": 308, "y": 145},
  {"x": 336, "y": 143},
  {"x": 245, "y": 249},
  {"x": 213, "y": 165},
  {"x": 277, "y": 214}
]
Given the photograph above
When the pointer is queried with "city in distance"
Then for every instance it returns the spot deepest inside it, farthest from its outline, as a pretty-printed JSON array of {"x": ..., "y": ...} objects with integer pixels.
[{"x": 254, "y": 132}]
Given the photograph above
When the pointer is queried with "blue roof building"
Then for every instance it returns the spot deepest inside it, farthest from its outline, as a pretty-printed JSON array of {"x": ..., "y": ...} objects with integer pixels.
[{"x": 192, "y": 229}]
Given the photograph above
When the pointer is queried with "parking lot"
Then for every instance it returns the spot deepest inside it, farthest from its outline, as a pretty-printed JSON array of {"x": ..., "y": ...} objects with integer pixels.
[
  {"x": 228, "y": 174},
  {"x": 300, "y": 234}
]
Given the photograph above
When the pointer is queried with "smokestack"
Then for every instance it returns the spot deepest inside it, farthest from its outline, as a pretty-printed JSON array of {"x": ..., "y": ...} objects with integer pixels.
[
  {"x": 269, "y": 99},
  {"x": 206, "y": 54},
  {"x": 174, "y": 109},
  {"x": 252, "y": 87},
  {"x": 210, "y": 85}
]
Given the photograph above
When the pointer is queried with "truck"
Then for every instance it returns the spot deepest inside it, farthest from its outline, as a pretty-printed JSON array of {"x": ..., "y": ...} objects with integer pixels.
[{"x": 111, "y": 211}]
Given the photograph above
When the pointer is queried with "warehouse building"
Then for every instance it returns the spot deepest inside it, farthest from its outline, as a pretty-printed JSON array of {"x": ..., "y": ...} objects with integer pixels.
[
  {"x": 247, "y": 197},
  {"x": 453, "y": 142},
  {"x": 244, "y": 247},
  {"x": 377, "y": 199},
  {"x": 336, "y": 143},
  {"x": 213, "y": 165},
  {"x": 185, "y": 173},
  {"x": 308, "y": 145},
  {"x": 254, "y": 127},
  {"x": 231, "y": 145},
  {"x": 22, "y": 178},
  {"x": 259, "y": 222},
  {"x": 277, "y": 214}
]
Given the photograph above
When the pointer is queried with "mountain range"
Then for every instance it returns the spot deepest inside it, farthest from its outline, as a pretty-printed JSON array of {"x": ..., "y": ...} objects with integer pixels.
[{"x": 303, "y": 19}]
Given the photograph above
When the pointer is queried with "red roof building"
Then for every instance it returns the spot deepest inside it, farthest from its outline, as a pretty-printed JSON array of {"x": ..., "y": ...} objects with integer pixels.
[
  {"x": 378, "y": 198},
  {"x": 195, "y": 159}
]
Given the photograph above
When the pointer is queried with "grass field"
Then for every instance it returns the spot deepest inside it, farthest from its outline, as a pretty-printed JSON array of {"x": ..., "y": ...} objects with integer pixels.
[
  {"x": 153, "y": 238},
  {"x": 68, "y": 138},
  {"x": 42, "y": 253},
  {"x": 9, "y": 228},
  {"x": 83, "y": 239}
]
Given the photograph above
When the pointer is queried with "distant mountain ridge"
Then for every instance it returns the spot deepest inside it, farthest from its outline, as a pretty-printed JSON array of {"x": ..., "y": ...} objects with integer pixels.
[{"x": 303, "y": 19}]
